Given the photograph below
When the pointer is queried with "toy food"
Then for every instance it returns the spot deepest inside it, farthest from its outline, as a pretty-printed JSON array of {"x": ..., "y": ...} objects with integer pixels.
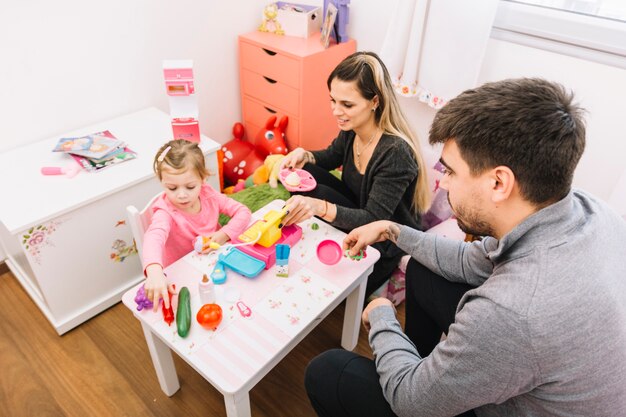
[
  {"x": 209, "y": 316},
  {"x": 361, "y": 255},
  {"x": 203, "y": 244},
  {"x": 141, "y": 299},
  {"x": 168, "y": 313},
  {"x": 293, "y": 179},
  {"x": 183, "y": 312}
]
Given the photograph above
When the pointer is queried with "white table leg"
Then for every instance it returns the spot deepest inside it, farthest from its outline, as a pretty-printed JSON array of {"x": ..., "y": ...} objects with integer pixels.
[
  {"x": 162, "y": 361},
  {"x": 237, "y": 405},
  {"x": 352, "y": 317}
]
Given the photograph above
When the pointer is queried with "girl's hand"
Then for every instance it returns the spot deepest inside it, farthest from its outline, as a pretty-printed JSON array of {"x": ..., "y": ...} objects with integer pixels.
[
  {"x": 156, "y": 286},
  {"x": 218, "y": 237},
  {"x": 299, "y": 208},
  {"x": 295, "y": 159}
]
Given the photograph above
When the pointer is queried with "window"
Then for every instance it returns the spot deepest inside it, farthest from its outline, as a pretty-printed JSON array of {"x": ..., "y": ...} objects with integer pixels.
[{"x": 594, "y": 30}]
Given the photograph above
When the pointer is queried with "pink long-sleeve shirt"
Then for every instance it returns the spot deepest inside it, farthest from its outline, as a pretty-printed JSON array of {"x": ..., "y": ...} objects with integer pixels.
[{"x": 171, "y": 232}]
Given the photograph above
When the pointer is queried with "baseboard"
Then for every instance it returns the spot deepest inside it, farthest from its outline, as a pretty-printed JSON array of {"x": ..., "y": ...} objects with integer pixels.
[{"x": 3, "y": 268}]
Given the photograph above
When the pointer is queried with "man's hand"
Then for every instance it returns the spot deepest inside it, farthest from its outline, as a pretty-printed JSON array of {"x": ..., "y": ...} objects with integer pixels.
[
  {"x": 378, "y": 231},
  {"x": 372, "y": 305}
]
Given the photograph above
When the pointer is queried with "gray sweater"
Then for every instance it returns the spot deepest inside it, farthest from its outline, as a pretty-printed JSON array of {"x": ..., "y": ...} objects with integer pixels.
[{"x": 544, "y": 333}]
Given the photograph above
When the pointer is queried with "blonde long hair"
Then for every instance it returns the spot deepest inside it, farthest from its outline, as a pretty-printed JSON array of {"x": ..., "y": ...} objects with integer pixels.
[
  {"x": 180, "y": 155},
  {"x": 372, "y": 79}
]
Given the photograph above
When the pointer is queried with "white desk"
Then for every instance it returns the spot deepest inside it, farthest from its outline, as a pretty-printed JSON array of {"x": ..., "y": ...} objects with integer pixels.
[
  {"x": 78, "y": 257},
  {"x": 283, "y": 311}
]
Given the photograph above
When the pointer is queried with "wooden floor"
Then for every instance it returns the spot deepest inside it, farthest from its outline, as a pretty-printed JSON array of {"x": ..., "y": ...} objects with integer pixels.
[{"x": 103, "y": 368}]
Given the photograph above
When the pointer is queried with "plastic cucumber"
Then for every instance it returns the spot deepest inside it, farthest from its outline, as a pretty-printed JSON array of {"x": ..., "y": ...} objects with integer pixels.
[{"x": 183, "y": 312}]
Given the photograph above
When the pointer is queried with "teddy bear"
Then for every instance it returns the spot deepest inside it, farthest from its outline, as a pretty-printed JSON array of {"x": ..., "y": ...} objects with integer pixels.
[{"x": 270, "y": 12}]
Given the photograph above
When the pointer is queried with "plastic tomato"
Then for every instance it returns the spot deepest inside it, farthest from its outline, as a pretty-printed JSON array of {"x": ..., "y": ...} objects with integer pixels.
[{"x": 209, "y": 316}]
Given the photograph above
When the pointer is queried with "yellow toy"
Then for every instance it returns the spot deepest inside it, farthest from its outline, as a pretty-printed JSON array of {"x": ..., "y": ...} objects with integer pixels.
[
  {"x": 268, "y": 227},
  {"x": 272, "y": 164},
  {"x": 270, "y": 12}
]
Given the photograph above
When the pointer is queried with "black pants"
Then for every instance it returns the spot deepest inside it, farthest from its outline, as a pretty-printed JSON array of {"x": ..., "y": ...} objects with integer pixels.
[
  {"x": 333, "y": 190},
  {"x": 341, "y": 383}
]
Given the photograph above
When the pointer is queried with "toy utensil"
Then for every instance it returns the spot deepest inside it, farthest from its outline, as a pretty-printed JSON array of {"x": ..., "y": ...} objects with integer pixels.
[
  {"x": 70, "y": 171},
  {"x": 219, "y": 273},
  {"x": 305, "y": 182},
  {"x": 202, "y": 243},
  {"x": 329, "y": 252},
  {"x": 244, "y": 310}
]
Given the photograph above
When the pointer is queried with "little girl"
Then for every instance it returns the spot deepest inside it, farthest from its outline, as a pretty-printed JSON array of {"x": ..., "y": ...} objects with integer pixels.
[{"x": 188, "y": 208}]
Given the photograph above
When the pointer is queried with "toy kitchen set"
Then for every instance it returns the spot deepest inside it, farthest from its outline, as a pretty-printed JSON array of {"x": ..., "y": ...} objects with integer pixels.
[{"x": 182, "y": 99}]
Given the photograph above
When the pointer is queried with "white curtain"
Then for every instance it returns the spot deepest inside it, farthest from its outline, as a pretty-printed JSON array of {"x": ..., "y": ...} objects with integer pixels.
[{"x": 434, "y": 48}]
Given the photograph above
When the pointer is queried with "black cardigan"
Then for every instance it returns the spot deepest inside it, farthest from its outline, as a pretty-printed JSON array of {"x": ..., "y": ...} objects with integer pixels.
[{"x": 388, "y": 183}]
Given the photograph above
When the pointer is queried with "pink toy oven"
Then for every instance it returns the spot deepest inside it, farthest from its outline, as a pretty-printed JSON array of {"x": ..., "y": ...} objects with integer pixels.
[
  {"x": 290, "y": 235},
  {"x": 179, "y": 81},
  {"x": 186, "y": 128}
]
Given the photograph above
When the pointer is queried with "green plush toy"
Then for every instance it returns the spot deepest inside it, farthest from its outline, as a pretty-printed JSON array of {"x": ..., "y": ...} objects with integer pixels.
[{"x": 256, "y": 197}]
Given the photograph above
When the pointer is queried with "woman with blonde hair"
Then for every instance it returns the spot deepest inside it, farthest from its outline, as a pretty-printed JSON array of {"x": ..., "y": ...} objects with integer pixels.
[{"x": 383, "y": 174}]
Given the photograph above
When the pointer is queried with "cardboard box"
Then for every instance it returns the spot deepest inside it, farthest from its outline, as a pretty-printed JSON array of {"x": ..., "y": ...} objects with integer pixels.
[{"x": 299, "y": 19}]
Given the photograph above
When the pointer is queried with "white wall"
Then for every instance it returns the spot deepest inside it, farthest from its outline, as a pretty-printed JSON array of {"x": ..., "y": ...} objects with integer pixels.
[{"x": 68, "y": 63}]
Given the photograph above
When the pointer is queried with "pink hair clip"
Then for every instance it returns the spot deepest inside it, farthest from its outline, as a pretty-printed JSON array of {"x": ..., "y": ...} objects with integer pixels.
[{"x": 164, "y": 154}]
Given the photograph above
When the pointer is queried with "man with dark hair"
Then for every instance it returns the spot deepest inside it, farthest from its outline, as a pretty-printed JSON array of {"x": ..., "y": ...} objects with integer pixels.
[{"x": 534, "y": 313}]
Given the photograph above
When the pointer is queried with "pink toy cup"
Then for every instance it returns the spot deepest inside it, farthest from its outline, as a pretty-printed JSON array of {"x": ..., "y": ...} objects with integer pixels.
[{"x": 329, "y": 252}]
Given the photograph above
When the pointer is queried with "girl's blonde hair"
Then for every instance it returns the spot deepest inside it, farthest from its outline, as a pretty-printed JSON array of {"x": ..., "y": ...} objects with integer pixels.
[
  {"x": 180, "y": 155},
  {"x": 372, "y": 80}
]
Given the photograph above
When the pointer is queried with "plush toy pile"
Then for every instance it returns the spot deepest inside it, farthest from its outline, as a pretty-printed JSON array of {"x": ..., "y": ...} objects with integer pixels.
[{"x": 243, "y": 160}]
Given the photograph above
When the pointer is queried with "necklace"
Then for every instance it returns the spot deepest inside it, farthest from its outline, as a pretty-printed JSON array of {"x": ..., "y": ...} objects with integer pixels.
[{"x": 358, "y": 151}]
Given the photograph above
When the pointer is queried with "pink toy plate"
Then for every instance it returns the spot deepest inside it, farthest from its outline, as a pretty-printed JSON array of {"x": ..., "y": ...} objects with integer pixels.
[
  {"x": 307, "y": 182},
  {"x": 329, "y": 252}
]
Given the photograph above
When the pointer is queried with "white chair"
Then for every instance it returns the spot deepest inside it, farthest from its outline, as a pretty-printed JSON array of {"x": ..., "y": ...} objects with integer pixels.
[{"x": 139, "y": 221}]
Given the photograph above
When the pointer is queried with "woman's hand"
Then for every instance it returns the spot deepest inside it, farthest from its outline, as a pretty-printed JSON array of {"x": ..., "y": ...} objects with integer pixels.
[
  {"x": 156, "y": 286},
  {"x": 299, "y": 208},
  {"x": 378, "y": 231},
  {"x": 296, "y": 159}
]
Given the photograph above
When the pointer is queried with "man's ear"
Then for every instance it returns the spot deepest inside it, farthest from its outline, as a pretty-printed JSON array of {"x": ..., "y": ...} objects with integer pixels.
[{"x": 502, "y": 183}]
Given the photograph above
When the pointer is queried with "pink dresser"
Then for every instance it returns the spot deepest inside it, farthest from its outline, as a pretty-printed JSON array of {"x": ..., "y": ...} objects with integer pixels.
[{"x": 286, "y": 75}]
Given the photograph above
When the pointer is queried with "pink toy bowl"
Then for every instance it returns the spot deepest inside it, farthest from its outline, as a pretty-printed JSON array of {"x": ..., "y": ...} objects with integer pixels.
[
  {"x": 307, "y": 182},
  {"x": 329, "y": 252}
]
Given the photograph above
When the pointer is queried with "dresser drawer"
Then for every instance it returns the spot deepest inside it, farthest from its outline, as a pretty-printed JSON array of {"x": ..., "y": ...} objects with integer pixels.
[
  {"x": 255, "y": 115},
  {"x": 271, "y": 64},
  {"x": 275, "y": 93}
]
